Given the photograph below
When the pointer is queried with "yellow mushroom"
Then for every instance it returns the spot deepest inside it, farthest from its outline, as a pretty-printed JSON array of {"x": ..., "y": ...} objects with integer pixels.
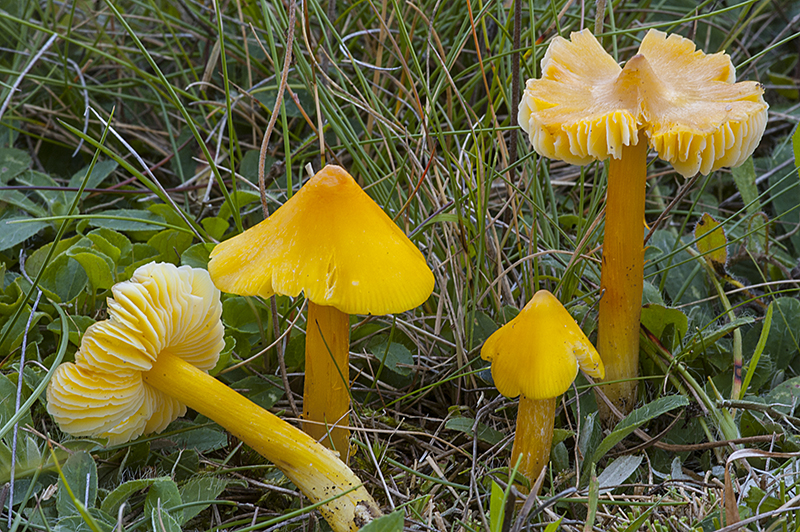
[
  {"x": 536, "y": 356},
  {"x": 138, "y": 370},
  {"x": 671, "y": 97},
  {"x": 338, "y": 247}
]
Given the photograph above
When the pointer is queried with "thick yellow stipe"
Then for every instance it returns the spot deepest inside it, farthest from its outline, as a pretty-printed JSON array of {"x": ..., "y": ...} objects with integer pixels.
[
  {"x": 622, "y": 276},
  {"x": 326, "y": 395},
  {"x": 314, "y": 469},
  {"x": 534, "y": 435}
]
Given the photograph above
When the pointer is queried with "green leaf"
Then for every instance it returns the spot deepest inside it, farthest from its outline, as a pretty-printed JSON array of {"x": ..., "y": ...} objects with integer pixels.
[
  {"x": 636, "y": 419},
  {"x": 127, "y": 225},
  {"x": 658, "y": 319},
  {"x": 21, "y": 201},
  {"x": 395, "y": 357},
  {"x": 55, "y": 199},
  {"x": 8, "y": 395},
  {"x": 745, "y": 178},
  {"x": 201, "y": 438},
  {"x": 796, "y": 148},
  {"x": 762, "y": 342},
  {"x": 264, "y": 392},
  {"x": 387, "y": 523},
  {"x": 465, "y": 424},
  {"x": 164, "y": 494},
  {"x": 242, "y": 197},
  {"x": 200, "y": 489},
  {"x": 100, "y": 172},
  {"x": 122, "y": 493},
  {"x": 784, "y": 396},
  {"x": 105, "y": 247},
  {"x": 12, "y": 233},
  {"x": 98, "y": 266},
  {"x": 77, "y": 523},
  {"x": 170, "y": 244},
  {"x": 80, "y": 474},
  {"x": 12, "y": 163},
  {"x": 162, "y": 521},
  {"x": 196, "y": 255},
  {"x": 215, "y": 227},
  {"x": 116, "y": 239},
  {"x": 784, "y": 333},
  {"x": 65, "y": 277},
  {"x": 77, "y": 326}
]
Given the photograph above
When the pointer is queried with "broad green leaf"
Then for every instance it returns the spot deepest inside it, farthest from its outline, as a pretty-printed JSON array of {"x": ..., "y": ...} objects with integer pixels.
[
  {"x": 215, "y": 227},
  {"x": 163, "y": 521},
  {"x": 116, "y": 239},
  {"x": 100, "y": 172},
  {"x": 164, "y": 494},
  {"x": 387, "y": 523},
  {"x": 757, "y": 239},
  {"x": 21, "y": 201},
  {"x": 56, "y": 199},
  {"x": 395, "y": 357},
  {"x": 105, "y": 247},
  {"x": 12, "y": 163},
  {"x": 201, "y": 438},
  {"x": 127, "y": 225},
  {"x": 196, "y": 255},
  {"x": 659, "y": 319},
  {"x": 242, "y": 197},
  {"x": 65, "y": 277},
  {"x": 786, "y": 87},
  {"x": 784, "y": 190},
  {"x": 80, "y": 474},
  {"x": 170, "y": 244},
  {"x": 465, "y": 424},
  {"x": 785, "y": 395},
  {"x": 122, "y": 493},
  {"x": 98, "y": 266},
  {"x": 8, "y": 394},
  {"x": 264, "y": 392},
  {"x": 700, "y": 342},
  {"x": 759, "y": 349},
  {"x": 796, "y": 148},
  {"x": 77, "y": 523},
  {"x": 77, "y": 326},
  {"x": 745, "y": 178},
  {"x": 36, "y": 259},
  {"x": 14, "y": 337},
  {"x": 17, "y": 229},
  {"x": 784, "y": 333},
  {"x": 636, "y": 419},
  {"x": 200, "y": 489},
  {"x": 711, "y": 242}
]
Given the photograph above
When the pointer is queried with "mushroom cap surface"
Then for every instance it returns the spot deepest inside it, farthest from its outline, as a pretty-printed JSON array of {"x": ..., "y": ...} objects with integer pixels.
[
  {"x": 538, "y": 353},
  {"x": 585, "y": 107},
  {"x": 332, "y": 242},
  {"x": 162, "y": 308}
]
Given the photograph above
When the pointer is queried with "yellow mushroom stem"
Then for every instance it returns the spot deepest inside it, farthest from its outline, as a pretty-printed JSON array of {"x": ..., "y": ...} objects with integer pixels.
[
  {"x": 311, "y": 467},
  {"x": 326, "y": 390},
  {"x": 621, "y": 279},
  {"x": 534, "y": 435}
]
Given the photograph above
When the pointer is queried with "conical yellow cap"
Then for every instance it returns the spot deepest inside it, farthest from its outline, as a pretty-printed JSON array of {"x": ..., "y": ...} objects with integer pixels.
[
  {"x": 538, "y": 353},
  {"x": 331, "y": 241}
]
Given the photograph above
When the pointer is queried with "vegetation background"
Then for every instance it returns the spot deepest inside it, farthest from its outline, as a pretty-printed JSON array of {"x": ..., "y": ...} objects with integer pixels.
[{"x": 416, "y": 100}]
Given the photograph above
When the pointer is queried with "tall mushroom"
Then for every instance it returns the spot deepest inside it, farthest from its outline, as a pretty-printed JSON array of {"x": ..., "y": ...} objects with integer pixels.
[
  {"x": 338, "y": 247},
  {"x": 679, "y": 101},
  {"x": 138, "y": 370},
  {"x": 536, "y": 356}
]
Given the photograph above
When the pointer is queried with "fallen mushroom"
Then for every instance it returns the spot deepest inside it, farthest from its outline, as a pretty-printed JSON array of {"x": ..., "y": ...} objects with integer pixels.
[
  {"x": 536, "y": 356},
  {"x": 138, "y": 370},
  {"x": 679, "y": 101},
  {"x": 338, "y": 247}
]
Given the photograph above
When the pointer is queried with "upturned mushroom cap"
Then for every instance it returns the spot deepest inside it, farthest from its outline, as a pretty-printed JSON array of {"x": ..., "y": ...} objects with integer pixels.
[
  {"x": 585, "y": 107},
  {"x": 162, "y": 308},
  {"x": 331, "y": 241},
  {"x": 538, "y": 353}
]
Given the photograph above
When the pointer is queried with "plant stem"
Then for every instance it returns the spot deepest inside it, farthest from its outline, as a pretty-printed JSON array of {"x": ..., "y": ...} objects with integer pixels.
[
  {"x": 622, "y": 276},
  {"x": 326, "y": 393},
  {"x": 534, "y": 435},
  {"x": 311, "y": 467}
]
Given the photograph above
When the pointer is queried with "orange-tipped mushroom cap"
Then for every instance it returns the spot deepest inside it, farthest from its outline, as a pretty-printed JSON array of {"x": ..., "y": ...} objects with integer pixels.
[
  {"x": 331, "y": 241},
  {"x": 537, "y": 354},
  {"x": 585, "y": 107},
  {"x": 162, "y": 308}
]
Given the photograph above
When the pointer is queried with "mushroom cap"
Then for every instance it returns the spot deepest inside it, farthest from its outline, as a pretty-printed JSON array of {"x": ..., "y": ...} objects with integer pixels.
[
  {"x": 585, "y": 107},
  {"x": 162, "y": 308},
  {"x": 538, "y": 353},
  {"x": 331, "y": 241}
]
